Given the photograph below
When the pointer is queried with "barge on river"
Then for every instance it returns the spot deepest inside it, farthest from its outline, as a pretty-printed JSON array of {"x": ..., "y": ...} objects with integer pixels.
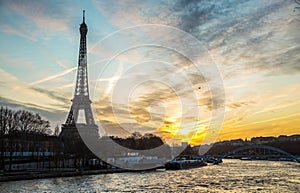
[{"x": 179, "y": 164}]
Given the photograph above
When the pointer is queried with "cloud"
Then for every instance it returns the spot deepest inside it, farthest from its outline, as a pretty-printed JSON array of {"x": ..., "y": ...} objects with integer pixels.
[
  {"x": 67, "y": 71},
  {"x": 12, "y": 30},
  {"x": 242, "y": 35},
  {"x": 116, "y": 120},
  {"x": 280, "y": 106},
  {"x": 53, "y": 95},
  {"x": 236, "y": 105},
  {"x": 130, "y": 12},
  {"x": 23, "y": 93},
  {"x": 35, "y": 19},
  {"x": 14, "y": 62},
  {"x": 54, "y": 116},
  {"x": 111, "y": 81},
  {"x": 44, "y": 14},
  {"x": 269, "y": 120}
]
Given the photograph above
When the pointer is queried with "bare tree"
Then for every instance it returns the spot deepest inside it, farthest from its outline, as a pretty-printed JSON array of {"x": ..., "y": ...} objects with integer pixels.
[
  {"x": 27, "y": 122},
  {"x": 12, "y": 124},
  {"x": 22, "y": 122},
  {"x": 41, "y": 126},
  {"x": 56, "y": 131},
  {"x": 3, "y": 130},
  {"x": 3, "y": 120}
]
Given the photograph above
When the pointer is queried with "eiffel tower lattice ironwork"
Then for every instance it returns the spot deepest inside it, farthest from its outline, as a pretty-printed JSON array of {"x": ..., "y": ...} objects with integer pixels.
[
  {"x": 81, "y": 99},
  {"x": 81, "y": 103}
]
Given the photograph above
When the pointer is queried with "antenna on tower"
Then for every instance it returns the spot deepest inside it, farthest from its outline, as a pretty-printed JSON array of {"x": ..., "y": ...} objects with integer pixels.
[{"x": 83, "y": 15}]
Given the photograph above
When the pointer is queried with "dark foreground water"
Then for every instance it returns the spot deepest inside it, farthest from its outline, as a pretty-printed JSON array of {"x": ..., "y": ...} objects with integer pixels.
[{"x": 230, "y": 176}]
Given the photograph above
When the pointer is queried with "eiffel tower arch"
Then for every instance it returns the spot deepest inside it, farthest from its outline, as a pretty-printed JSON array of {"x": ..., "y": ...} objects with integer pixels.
[{"x": 80, "y": 116}]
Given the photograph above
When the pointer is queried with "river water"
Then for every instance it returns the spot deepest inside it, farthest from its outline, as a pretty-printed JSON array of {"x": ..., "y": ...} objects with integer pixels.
[{"x": 229, "y": 176}]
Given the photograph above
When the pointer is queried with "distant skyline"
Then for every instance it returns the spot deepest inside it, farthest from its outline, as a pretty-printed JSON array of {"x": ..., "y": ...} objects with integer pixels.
[{"x": 254, "y": 43}]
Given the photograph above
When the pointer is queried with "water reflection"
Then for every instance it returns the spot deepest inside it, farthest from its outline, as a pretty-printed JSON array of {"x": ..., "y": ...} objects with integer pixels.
[{"x": 231, "y": 175}]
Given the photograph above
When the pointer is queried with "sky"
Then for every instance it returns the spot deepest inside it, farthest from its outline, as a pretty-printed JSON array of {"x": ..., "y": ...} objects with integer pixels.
[{"x": 141, "y": 77}]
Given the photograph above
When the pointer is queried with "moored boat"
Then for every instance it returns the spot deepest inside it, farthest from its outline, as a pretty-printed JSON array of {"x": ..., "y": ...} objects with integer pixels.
[
  {"x": 246, "y": 158},
  {"x": 184, "y": 164}
]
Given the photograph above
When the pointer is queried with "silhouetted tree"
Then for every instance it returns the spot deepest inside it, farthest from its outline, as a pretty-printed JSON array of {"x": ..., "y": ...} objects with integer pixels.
[
  {"x": 136, "y": 135},
  {"x": 56, "y": 131},
  {"x": 31, "y": 123},
  {"x": 4, "y": 114},
  {"x": 3, "y": 120},
  {"x": 19, "y": 122},
  {"x": 140, "y": 142}
]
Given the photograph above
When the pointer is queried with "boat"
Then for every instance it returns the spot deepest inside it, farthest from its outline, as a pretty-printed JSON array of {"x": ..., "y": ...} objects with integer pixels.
[
  {"x": 179, "y": 164},
  {"x": 246, "y": 158}
]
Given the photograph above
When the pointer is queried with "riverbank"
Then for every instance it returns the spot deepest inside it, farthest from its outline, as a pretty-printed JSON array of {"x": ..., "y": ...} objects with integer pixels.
[
  {"x": 61, "y": 172},
  {"x": 40, "y": 174}
]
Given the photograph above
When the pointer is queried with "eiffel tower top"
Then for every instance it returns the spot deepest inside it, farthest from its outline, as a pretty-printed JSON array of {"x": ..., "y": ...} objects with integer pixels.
[
  {"x": 83, "y": 26},
  {"x": 83, "y": 16}
]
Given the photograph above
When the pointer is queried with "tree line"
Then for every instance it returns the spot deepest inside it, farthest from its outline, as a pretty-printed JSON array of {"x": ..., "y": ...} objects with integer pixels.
[
  {"x": 137, "y": 141},
  {"x": 22, "y": 121},
  {"x": 16, "y": 126}
]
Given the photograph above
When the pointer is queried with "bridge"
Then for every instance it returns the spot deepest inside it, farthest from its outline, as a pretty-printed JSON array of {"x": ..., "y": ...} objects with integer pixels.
[{"x": 253, "y": 151}]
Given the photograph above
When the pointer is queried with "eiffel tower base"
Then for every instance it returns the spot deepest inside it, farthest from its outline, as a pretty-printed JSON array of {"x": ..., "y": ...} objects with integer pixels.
[{"x": 73, "y": 141}]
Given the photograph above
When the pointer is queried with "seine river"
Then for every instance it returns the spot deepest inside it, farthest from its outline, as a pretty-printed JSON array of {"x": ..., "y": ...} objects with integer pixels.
[{"x": 230, "y": 176}]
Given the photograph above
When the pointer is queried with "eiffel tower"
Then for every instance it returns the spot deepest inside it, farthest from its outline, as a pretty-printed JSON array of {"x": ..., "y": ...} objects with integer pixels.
[{"x": 81, "y": 103}]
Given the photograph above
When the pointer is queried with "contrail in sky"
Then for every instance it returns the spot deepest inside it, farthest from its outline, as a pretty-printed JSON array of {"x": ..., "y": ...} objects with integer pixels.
[
  {"x": 61, "y": 74},
  {"x": 53, "y": 76}
]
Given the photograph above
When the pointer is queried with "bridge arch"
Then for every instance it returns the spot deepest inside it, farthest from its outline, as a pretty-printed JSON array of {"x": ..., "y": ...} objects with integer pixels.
[{"x": 240, "y": 149}]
